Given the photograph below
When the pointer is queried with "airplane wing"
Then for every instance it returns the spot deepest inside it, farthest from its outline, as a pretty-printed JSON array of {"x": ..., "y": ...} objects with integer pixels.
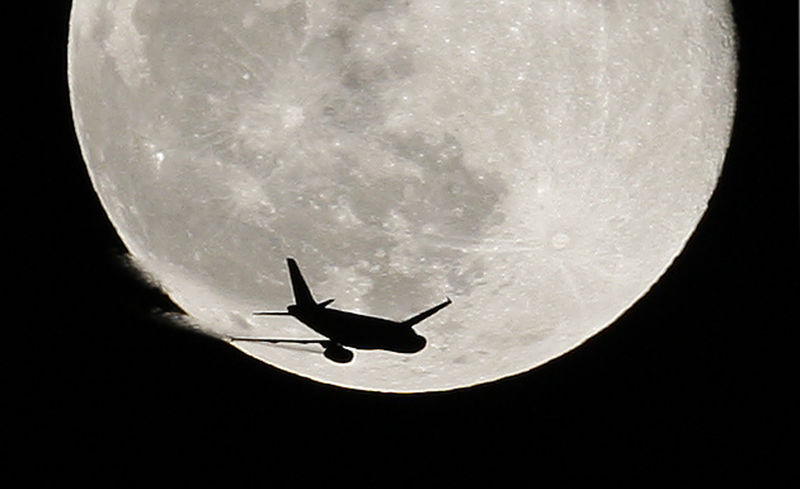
[
  {"x": 426, "y": 314},
  {"x": 333, "y": 351},
  {"x": 276, "y": 340}
]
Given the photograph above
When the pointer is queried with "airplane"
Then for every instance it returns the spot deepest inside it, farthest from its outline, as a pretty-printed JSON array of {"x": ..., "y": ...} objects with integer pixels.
[{"x": 346, "y": 329}]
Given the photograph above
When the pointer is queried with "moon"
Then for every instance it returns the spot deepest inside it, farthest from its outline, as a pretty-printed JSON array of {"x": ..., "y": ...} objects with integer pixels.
[{"x": 541, "y": 163}]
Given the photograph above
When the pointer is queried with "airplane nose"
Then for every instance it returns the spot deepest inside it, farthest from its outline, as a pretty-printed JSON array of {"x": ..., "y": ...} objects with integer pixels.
[{"x": 419, "y": 343}]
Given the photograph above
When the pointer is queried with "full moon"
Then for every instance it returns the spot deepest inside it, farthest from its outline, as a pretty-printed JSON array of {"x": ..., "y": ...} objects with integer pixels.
[{"x": 539, "y": 162}]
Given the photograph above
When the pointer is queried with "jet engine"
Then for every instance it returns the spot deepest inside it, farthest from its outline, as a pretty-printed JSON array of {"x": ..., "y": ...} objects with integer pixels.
[{"x": 337, "y": 353}]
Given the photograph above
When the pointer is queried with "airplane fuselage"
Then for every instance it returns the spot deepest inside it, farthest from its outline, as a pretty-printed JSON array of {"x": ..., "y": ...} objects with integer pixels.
[{"x": 358, "y": 331}]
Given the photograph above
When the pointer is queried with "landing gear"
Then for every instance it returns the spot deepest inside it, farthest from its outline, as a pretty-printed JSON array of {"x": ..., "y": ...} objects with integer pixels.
[{"x": 337, "y": 353}]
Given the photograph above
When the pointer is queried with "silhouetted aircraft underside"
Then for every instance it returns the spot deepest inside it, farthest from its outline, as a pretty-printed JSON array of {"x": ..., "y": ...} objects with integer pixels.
[{"x": 346, "y": 329}]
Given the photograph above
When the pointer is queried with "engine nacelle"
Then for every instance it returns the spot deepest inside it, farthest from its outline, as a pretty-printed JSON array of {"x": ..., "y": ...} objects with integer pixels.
[{"x": 338, "y": 354}]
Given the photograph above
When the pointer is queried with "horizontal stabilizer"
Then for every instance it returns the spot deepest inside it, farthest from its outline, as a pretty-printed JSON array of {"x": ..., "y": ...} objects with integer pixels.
[{"x": 271, "y": 313}]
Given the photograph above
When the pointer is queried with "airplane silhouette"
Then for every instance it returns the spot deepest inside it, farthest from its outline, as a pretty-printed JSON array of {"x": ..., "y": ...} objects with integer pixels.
[{"x": 342, "y": 328}]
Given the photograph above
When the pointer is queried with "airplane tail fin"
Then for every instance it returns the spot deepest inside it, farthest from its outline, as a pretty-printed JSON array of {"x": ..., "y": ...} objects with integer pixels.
[
  {"x": 426, "y": 314},
  {"x": 302, "y": 294}
]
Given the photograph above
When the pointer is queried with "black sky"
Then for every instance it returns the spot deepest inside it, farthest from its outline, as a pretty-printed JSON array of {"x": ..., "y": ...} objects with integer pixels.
[{"x": 694, "y": 377}]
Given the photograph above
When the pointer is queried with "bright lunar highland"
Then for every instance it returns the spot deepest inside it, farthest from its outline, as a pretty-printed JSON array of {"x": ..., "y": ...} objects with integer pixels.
[{"x": 539, "y": 162}]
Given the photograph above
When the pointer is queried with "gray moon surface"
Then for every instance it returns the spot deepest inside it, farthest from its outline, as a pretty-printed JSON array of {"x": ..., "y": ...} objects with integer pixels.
[{"x": 540, "y": 162}]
